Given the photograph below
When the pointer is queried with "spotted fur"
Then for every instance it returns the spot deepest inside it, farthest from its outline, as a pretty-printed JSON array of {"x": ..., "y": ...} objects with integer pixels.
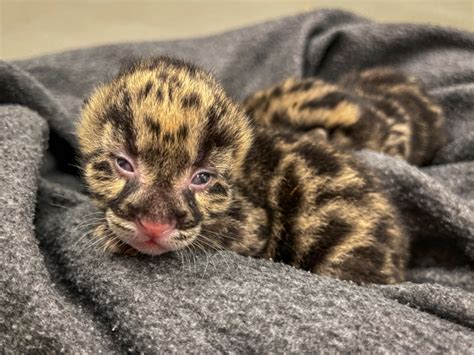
[
  {"x": 275, "y": 194},
  {"x": 379, "y": 109}
]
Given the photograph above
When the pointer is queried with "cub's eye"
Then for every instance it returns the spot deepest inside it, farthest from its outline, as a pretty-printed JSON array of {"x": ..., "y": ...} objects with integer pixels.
[
  {"x": 124, "y": 165},
  {"x": 201, "y": 178}
]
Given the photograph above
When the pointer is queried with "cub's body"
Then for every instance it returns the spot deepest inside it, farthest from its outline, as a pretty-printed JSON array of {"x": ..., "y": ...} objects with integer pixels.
[{"x": 264, "y": 191}]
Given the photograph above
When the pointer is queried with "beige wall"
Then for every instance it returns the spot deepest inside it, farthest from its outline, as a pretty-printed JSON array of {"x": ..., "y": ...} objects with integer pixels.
[{"x": 33, "y": 27}]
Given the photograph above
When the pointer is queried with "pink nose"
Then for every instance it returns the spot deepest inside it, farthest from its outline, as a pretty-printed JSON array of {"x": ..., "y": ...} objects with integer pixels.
[{"x": 155, "y": 230}]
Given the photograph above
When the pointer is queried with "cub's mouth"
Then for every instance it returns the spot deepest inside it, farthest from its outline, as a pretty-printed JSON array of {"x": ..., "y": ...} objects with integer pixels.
[{"x": 149, "y": 237}]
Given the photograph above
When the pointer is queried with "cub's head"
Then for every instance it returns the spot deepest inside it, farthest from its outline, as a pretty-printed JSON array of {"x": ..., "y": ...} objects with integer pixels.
[{"x": 161, "y": 146}]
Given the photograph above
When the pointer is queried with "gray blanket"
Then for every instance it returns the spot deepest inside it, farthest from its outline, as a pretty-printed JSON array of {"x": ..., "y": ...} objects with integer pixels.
[{"x": 60, "y": 293}]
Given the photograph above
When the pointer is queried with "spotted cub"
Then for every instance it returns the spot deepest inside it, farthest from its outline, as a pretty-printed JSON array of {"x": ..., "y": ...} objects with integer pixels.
[{"x": 175, "y": 164}]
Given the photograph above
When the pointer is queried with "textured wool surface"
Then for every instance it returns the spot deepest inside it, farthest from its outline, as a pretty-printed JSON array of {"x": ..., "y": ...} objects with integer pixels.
[{"x": 60, "y": 293}]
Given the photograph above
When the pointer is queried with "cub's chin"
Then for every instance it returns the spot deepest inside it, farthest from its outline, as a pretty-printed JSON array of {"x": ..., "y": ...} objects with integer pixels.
[
  {"x": 132, "y": 237},
  {"x": 157, "y": 246},
  {"x": 150, "y": 247}
]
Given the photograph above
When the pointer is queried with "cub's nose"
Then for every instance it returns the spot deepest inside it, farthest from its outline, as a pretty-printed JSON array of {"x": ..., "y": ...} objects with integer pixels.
[{"x": 155, "y": 230}]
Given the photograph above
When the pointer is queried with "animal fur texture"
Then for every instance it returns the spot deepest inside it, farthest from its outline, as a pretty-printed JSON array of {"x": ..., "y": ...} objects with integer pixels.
[
  {"x": 378, "y": 109},
  {"x": 272, "y": 178}
]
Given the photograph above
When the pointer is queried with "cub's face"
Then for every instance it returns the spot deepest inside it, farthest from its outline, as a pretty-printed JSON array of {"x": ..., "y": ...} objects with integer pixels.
[{"x": 161, "y": 146}]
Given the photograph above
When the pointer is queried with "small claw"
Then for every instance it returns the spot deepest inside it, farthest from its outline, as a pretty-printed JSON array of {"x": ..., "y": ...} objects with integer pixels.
[{"x": 321, "y": 133}]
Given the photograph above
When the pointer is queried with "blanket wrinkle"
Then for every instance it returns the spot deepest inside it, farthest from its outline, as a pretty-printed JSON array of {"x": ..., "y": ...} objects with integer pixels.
[
  {"x": 453, "y": 305},
  {"x": 59, "y": 292}
]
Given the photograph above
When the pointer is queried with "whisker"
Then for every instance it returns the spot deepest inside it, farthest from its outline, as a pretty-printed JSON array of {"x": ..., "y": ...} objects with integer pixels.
[
  {"x": 101, "y": 239},
  {"x": 181, "y": 257},
  {"x": 188, "y": 260},
  {"x": 193, "y": 255},
  {"x": 237, "y": 241},
  {"x": 86, "y": 227},
  {"x": 88, "y": 220},
  {"x": 60, "y": 206},
  {"x": 212, "y": 244},
  {"x": 198, "y": 244},
  {"x": 87, "y": 223},
  {"x": 82, "y": 237},
  {"x": 94, "y": 242},
  {"x": 226, "y": 236}
]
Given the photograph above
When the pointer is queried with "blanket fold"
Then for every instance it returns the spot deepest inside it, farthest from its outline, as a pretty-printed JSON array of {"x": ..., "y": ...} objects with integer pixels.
[{"x": 59, "y": 292}]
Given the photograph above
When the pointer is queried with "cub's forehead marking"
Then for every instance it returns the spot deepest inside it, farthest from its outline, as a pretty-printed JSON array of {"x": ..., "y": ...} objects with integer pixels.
[
  {"x": 145, "y": 91},
  {"x": 192, "y": 100},
  {"x": 153, "y": 125}
]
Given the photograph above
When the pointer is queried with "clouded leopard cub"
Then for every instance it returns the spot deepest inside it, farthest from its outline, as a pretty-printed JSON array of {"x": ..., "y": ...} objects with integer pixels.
[{"x": 173, "y": 162}]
